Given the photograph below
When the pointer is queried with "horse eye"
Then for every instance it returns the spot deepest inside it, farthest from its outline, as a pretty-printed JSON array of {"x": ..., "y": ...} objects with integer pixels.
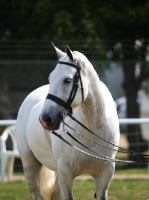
[{"x": 67, "y": 80}]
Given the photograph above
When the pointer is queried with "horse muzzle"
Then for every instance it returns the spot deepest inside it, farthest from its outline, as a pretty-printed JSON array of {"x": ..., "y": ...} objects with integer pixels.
[{"x": 48, "y": 123}]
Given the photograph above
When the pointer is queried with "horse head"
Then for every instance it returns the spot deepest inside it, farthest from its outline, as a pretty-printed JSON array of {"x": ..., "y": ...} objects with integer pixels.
[{"x": 68, "y": 88}]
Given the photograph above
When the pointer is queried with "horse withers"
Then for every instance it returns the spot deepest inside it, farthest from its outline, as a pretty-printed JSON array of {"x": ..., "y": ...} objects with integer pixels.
[{"x": 50, "y": 164}]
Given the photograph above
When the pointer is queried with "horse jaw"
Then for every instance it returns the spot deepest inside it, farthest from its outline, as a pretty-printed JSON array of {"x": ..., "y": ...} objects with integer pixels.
[{"x": 59, "y": 54}]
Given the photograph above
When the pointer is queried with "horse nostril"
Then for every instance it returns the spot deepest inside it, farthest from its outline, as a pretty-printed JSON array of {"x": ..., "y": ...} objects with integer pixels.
[{"x": 47, "y": 119}]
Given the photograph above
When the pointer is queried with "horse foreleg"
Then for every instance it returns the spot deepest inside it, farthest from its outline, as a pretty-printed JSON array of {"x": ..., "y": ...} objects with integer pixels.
[
  {"x": 56, "y": 192},
  {"x": 65, "y": 180},
  {"x": 103, "y": 181},
  {"x": 32, "y": 168},
  {"x": 47, "y": 182}
]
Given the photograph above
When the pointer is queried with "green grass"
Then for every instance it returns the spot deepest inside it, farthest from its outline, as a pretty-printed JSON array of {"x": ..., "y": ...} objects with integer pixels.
[
  {"x": 15, "y": 190},
  {"x": 127, "y": 189},
  {"x": 131, "y": 171}
]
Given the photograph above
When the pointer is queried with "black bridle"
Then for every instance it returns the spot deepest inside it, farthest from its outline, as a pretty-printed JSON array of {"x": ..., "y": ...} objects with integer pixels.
[
  {"x": 77, "y": 78},
  {"x": 67, "y": 107}
]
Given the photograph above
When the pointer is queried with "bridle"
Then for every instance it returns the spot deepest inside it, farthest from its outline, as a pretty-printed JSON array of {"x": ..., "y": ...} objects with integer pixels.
[
  {"x": 77, "y": 78},
  {"x": 68, "y": 111}
]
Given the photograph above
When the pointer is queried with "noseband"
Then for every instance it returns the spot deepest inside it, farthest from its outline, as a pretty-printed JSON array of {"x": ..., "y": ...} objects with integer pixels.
[{"x": 77, "y": 78}]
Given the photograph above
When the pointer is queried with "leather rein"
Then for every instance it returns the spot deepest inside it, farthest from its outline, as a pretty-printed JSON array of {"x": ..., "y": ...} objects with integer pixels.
[{"x": 68, "y": 112}]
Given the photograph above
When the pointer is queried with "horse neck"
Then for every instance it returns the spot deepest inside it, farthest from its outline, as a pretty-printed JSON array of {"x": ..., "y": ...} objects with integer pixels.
[{"x": 93, "y": 107}]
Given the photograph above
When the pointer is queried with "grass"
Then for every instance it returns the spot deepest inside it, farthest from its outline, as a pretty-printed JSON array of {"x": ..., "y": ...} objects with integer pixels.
[
  {"x": 126, "y": 189},
  {"x": 133, "y": 170},
  {"x": 129, "y": 189},
  {"x": 14, "y": 191}
]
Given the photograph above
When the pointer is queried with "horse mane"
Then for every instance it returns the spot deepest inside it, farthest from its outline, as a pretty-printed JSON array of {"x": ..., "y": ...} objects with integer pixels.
[{"x": 87, "y": 64}]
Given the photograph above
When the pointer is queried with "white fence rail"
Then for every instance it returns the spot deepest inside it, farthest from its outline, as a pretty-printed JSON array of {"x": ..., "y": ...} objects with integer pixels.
[
  {"x": 8, "y": 122},
  {"x": 133, "y": 121}
]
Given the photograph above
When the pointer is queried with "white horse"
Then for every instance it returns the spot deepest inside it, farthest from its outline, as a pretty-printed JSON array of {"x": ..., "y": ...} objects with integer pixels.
[{"x": 50, "y": 165}]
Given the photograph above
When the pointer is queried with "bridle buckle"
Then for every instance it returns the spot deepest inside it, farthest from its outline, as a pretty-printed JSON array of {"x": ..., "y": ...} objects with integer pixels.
[{"x": 64, "y": 113}]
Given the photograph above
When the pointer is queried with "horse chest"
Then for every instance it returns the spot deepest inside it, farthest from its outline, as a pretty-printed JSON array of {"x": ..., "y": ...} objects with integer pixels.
[{"x": 87, "y": 165}]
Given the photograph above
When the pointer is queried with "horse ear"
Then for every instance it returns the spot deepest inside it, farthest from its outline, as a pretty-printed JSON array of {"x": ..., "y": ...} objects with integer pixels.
[
  {"x": 57, "y": 51},
  {"x": 70, "y": 54}
]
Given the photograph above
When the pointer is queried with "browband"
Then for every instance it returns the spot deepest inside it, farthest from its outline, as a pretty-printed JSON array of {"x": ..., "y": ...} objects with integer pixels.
[{"x": 70, "y": 64}]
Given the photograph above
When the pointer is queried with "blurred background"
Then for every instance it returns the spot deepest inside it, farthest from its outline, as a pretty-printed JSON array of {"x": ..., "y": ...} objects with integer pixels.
[{"x": 114, "y": 36}]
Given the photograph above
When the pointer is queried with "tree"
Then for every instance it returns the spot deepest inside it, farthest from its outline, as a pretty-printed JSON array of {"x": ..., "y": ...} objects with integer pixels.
[
  {"x": 45, "y": 19},
  {"x": 121, "y": 20}
]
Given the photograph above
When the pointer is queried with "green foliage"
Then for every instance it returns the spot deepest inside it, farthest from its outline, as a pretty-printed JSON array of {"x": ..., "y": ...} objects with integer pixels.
[
  {"x": 94, "y": 22},
  {"x": 79, "y": 19},
  {"x": 45, "y": 19}
]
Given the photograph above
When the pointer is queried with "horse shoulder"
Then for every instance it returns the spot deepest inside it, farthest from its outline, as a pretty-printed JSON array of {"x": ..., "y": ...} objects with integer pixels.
[{"x": 24, "y": 112}]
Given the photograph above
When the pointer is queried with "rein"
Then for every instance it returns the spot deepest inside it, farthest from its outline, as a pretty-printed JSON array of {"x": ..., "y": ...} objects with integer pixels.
[
  {"x": 100, "y": 156},
  {"x": 68, "y": 112},
  {"x": 120, "y": 149}
]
